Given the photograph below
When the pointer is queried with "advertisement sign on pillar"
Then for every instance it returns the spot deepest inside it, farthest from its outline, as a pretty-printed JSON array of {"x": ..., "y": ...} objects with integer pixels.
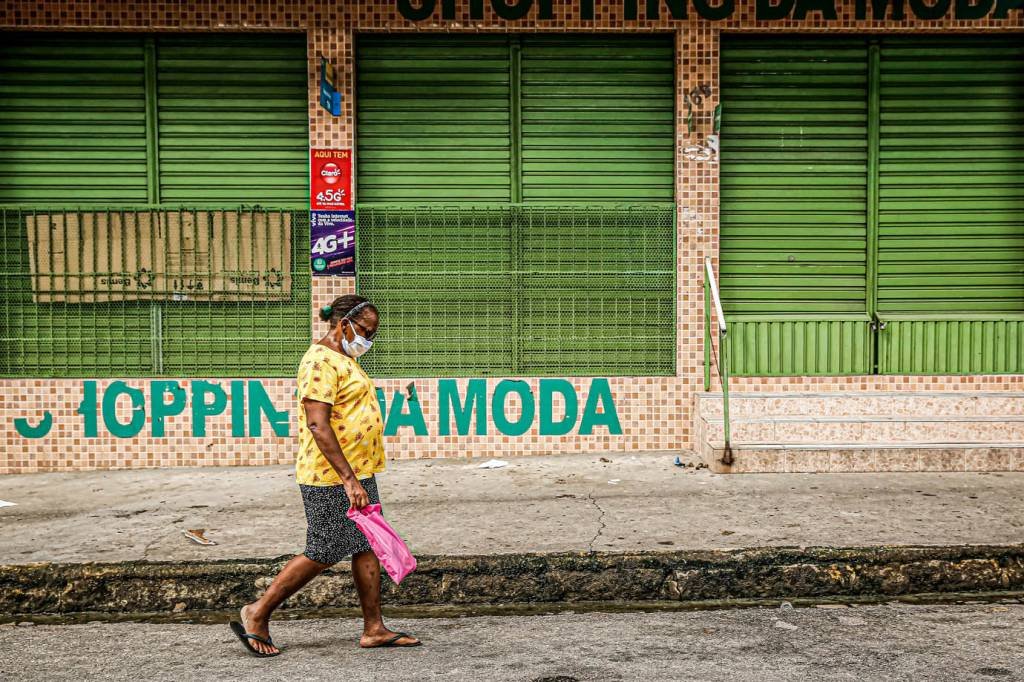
[
  {"x": 333, "y": 240},
  {"x": 332, "y": 223},
  {"x": 330, "y": 181}
]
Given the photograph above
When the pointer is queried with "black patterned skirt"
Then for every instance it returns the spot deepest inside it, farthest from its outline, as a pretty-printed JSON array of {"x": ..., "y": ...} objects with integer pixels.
[{"x": 330, "y": 535}]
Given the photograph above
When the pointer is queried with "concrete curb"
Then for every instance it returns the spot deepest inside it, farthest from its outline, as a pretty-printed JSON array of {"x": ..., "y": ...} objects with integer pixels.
[{"x": 682, "y": 576}]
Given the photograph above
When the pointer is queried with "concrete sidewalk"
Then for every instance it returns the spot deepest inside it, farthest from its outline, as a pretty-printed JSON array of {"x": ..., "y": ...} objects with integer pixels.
[{"x": 538, "y": 504}]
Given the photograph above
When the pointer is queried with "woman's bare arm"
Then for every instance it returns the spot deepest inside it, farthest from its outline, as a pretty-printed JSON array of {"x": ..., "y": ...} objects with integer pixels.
[{"x": 318, "y": 420}]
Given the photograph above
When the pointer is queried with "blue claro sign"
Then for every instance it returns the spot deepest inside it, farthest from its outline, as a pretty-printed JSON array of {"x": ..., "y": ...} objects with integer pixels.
[{"x": 472, "y": 412}]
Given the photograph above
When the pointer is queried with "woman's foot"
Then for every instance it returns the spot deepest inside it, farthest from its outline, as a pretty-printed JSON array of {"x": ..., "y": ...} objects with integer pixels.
[
  {"x": 386, "y": 638},
  {"x": 258, "y": 627}
]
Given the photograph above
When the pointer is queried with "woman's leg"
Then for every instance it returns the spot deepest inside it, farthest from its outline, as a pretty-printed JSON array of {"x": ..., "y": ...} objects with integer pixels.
[
  {"x": 292, "y": 578},
  {"x": 366, "y": 574}
]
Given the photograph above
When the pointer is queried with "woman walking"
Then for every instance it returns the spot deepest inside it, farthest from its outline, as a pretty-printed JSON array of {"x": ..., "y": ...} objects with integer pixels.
[{"x": 340, "y": 450}]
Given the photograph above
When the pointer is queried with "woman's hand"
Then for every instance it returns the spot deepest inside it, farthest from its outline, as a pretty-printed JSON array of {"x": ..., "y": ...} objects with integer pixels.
[{"x": 357, "y": 496}]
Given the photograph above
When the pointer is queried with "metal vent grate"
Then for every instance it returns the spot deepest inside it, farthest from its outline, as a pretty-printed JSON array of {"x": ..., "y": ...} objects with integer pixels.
[
  {"x": 510, "y": 289},
  {"x": 62, "y": 317}
]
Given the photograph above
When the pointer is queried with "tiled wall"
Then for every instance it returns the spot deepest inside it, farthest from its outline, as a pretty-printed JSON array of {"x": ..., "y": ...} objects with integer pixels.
[{"x": 656, "y": 413}]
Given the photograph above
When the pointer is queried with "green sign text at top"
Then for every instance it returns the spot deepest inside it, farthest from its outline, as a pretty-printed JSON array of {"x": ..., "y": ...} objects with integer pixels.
[{"x": 715, "y": 10}]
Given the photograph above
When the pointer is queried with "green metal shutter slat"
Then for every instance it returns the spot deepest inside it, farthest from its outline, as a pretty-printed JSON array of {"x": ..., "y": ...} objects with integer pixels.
[
  {"x": 793, "y": 192},
  {"x": 951, "y": 205},
  {"x": 598, "y": 119},
  {"x": 434, "y": 119},
  {"x": 72, "y": 119},
  {"x": 233, "y": 120},
  {"x": 233, "y": 129}
]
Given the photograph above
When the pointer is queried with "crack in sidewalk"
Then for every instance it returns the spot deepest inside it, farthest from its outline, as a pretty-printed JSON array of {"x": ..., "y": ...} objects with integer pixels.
[
  {"x": 600, "y": 520},
  {"x": 149, "y": 548}
]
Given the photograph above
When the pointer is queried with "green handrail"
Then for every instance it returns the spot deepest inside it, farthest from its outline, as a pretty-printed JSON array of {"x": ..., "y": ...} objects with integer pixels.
[{"x": 711, "y": 295}]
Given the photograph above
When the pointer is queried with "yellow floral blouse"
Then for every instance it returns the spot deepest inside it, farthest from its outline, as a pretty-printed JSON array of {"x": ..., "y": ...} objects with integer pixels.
[{"x": 334, "y": 378}]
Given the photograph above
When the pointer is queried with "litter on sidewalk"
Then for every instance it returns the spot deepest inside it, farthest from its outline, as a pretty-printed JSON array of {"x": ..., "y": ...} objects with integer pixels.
[
  {"x": 197, "y": 536},
  {"x": 493, "y": 464},
  {"x": 5, "y": 503}
]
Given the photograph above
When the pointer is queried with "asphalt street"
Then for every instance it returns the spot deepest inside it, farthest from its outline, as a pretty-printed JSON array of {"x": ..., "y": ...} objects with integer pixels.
[{"x": 884, "y": 642}]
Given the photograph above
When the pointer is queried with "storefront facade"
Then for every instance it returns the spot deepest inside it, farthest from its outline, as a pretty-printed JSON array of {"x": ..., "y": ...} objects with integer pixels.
[{"x": 535, "y": 187}]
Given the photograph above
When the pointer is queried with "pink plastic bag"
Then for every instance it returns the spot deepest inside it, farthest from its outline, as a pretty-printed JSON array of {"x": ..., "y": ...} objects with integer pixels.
[{"x": 394, "y": 556}]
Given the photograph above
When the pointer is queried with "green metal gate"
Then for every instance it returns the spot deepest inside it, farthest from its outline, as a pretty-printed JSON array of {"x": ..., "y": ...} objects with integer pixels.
[
  {"x": 951, "y": 206},
  {"x": 793, "y": 205},
  {"x": 872, "y": 205},
  {"x": 515, "y": 207}
]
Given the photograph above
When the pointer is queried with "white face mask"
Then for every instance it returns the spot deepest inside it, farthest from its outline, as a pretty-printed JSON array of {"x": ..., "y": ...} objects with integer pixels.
[{"x": 357, "y": 346}]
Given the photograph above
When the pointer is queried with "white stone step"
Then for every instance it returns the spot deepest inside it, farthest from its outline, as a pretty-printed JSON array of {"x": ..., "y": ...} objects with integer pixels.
[
  {"x": 866, "y": 457},
  {"x": 797, "y": 430},
  {"x": 867, "y": 403}
]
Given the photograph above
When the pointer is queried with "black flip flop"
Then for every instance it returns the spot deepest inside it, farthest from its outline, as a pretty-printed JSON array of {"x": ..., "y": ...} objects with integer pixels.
[
  {"x": 393, "y": 642},
  {"x": 247, "y": 640}
]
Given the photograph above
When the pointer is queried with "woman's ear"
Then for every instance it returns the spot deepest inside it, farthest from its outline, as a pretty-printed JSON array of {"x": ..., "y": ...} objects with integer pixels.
[{"x": 339, "y": 331}]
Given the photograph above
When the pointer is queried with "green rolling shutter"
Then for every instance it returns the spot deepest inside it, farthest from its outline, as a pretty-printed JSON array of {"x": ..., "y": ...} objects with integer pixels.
[
  {"x": 793, "y": 189},
  {"x": 72, "y": 132},
  {"x": 598, "y": 126},
  {"x": 434, "y": 125},
  {"x": 948, "y": 247},
  {"x": 951, "y": 205},
  {"x": 598, "y": 118},
  {"x": 569, "y": 266},
  {"x": 72, "y": 119},
  {"x": 233, "y": 120},
  {"x": 434, "y": 119}
]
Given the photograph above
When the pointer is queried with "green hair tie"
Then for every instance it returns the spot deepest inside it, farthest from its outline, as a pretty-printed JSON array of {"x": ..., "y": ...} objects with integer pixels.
[{"x": 327, "y": 310}]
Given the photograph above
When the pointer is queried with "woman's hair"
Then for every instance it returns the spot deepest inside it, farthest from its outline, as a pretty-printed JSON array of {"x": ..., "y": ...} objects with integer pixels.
[{"x": 343, "y": 306}]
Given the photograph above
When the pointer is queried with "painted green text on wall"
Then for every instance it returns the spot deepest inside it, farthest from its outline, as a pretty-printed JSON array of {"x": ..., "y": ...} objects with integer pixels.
[{"x": 121, "y": 410}]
